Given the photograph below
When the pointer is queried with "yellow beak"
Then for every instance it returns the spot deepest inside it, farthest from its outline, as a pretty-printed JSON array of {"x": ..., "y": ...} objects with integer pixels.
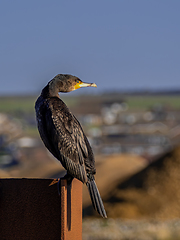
[{"x": 83, "y": 84}]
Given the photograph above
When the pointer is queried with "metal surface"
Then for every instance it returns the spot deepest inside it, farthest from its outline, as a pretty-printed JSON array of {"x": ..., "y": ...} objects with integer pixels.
[
  {"x": 71, "y": 210},
  {"x": 31, "y": 209}
]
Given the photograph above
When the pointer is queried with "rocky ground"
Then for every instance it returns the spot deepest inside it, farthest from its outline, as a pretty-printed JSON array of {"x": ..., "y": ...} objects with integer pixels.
[{"x": 118, "y": 229}]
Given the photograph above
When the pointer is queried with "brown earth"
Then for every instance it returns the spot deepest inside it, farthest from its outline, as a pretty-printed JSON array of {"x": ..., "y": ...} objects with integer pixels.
[
  {"x": 35, "y": 163},
  {"x": 154, "y": 192},
  {"x": 111, "y": 170}
]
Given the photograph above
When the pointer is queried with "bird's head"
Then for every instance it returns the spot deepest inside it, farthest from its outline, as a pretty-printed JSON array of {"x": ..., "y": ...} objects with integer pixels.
[{"x": 67, "y": 83}]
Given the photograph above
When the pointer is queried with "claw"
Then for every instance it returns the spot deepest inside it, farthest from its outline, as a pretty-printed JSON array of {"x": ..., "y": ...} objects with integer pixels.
[{"x": 54, "y": 182}]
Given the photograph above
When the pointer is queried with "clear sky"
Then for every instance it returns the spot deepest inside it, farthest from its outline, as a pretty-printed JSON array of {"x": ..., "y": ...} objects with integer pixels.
[{"x": 118, "y": 44}]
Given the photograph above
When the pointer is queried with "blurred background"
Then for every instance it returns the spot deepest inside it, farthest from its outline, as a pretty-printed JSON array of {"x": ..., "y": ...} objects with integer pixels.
[{"x": 130, "y": 49}]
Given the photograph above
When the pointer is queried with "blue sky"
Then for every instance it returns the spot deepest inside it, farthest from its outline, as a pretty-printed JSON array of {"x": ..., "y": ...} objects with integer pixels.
[{"x": 118, "y": 44}]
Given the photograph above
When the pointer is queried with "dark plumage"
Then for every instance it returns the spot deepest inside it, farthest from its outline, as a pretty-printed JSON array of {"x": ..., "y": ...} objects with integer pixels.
[{"x": 63, "y": 135}]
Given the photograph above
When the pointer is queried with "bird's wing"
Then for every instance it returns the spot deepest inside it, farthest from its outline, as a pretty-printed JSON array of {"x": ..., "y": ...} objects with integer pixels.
[{"x": 67, "y": 138}]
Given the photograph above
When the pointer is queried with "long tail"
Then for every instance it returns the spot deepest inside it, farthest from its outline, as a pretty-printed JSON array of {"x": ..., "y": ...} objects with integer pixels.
[{"x": 96, "y": 198}]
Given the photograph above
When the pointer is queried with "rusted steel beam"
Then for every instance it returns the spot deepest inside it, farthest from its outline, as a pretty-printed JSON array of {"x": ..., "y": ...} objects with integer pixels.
[{"x": 31, "y": 209}]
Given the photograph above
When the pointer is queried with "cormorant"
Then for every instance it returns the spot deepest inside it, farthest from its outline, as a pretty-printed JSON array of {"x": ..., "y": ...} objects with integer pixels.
[{"x": 63, "y": 135}]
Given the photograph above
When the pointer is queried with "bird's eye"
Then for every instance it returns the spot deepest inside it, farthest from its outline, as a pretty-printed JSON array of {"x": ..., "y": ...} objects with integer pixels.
[{"x": 77, "y": 81}]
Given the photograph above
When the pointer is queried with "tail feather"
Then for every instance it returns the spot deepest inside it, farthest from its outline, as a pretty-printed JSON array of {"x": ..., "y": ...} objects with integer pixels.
[{"x": 96, "y": 198}]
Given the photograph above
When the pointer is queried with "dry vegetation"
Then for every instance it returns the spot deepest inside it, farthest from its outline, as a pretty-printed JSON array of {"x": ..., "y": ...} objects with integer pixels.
[{"x": 153, "y": 192}]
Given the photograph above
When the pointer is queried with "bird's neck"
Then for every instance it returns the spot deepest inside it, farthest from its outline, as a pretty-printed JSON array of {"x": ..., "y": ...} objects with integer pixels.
[{"x": 48, "y": 92}]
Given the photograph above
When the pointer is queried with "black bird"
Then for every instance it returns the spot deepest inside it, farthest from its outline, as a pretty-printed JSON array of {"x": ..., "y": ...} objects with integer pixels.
[{"x": 63, "y": 135}]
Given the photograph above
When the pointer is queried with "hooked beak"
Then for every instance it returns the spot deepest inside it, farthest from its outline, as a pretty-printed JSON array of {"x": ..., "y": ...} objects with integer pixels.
[{"x": 83, "y": 84}]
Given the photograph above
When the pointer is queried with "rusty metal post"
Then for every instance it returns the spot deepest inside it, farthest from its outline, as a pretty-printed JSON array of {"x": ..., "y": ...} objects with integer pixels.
[
  {"x": 71, "y": 209},
  {"x": 31, "y": 209}
]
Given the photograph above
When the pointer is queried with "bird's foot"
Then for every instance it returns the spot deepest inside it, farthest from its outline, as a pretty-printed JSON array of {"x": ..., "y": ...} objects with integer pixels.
[
  {"x": 69, "y": 179},
  {"x": 54, "y": 181}
]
